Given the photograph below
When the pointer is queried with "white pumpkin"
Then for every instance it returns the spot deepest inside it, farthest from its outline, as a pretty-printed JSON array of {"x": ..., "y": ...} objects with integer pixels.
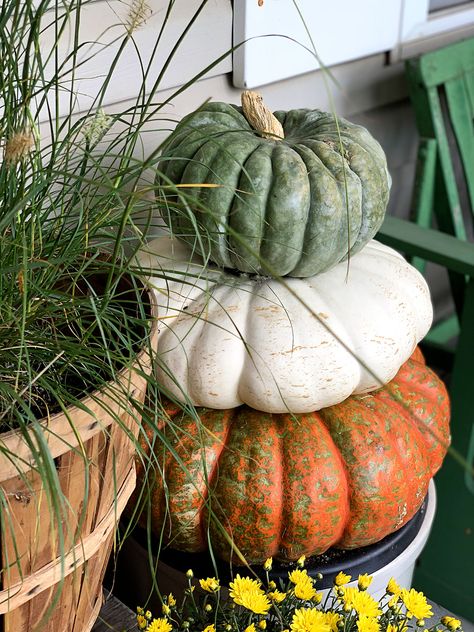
[{"x": 230, "y": 339}]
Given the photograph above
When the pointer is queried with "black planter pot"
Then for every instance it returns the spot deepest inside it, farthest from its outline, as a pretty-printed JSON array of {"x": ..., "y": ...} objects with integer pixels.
[{"x": 137, "y": 577}]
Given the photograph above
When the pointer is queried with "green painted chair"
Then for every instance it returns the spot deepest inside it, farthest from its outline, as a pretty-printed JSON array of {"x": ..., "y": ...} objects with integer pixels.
[{"x": 441, "y": 86}]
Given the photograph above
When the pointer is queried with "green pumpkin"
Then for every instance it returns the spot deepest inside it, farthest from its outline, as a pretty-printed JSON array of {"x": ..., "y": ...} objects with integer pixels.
[{"x": 298, "y": 190}]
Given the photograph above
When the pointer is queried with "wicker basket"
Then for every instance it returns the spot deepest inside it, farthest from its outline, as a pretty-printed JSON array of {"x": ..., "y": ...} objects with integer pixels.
[{"x": 36, "y": 581}]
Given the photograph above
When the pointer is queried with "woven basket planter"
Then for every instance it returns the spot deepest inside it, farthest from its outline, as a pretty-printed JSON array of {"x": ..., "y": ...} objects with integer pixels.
[{"x": 93, "y": 456}]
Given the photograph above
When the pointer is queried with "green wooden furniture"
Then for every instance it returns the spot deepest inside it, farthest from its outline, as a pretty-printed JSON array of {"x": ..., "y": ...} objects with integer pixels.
[{"x": 441, "y": 86}]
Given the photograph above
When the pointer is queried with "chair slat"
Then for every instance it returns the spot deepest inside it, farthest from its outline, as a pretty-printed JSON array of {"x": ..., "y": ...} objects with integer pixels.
[
  {"x": 423, "y": 191},
  {"x": 439, "y": 66},
  {"x": 469, "y": 83},
  {"x": 449, "y": 217},
  {"x": 430, "y": 244},
  {"x": 461, "y": 120}
]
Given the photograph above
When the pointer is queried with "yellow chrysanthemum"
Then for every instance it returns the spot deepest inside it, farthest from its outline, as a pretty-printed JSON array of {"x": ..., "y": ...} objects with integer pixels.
[
  {"x": 141, "y": 621},
  {"x": 392, "y": 587},
  {"x": 277, "y": 596},
  {"x": 301, "y": 560},
  {"x": 159, "y": 625},
  {"x": 171, "y": 600},
  {"x": 250, "y": 628},
  {"x": 211, "y": 584},
  {"x": 210, "y": 628},
  {"x": 416, "y": 604},
  {"x": 317, "y": 597},
  {"x": 451, "y": 623},
  {"x": 332, "y": 618},
  {"x": 165, "y": 609},
  {"x": 247, "y": 592},
  {"x": 396, "y": 628},
  {"x": 364, "y": 581},
  {"x": 305, "y": 590},
  {"x": 267, "y": 565},
  {"x": 368, "y": 624},
  {"x": 262, "y": 624},
  {"x": 299, "y": 575},
  {"x": 244, "y": 584},
  {"x": 309, "y": 620},
  {"x": 341, "y": 579},
  {"x": 363, "y": 603}
]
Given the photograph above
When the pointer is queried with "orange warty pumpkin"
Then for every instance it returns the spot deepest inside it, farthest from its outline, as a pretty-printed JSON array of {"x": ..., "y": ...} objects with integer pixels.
[{"x": 285, "y": 485}]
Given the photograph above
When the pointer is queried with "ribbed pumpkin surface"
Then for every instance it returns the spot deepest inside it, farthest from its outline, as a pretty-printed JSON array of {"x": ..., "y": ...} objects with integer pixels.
[
  {"x": 227, "y": 340},
  {"x": 301, "y": 203},
  {"x": 285, "y": 485}
]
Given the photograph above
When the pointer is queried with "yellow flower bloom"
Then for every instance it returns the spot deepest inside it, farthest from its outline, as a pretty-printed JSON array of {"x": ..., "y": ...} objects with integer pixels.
[
  {"x": 165, "y": 609},
  {"x": 244, "y": 584},
  {"x": 364, "y": 581},
  {"x": 392, "y": 587},
  {"x": 301, "y": 560},
  {"x": 250, "y": 628},
  {"x": 333, "y": 618},
  {"x": 309, "y": 620},
  {"x": 341, "y": 579},
  {"x": 262, "y": 624},
  {"x": 247, "y": 592},
  {"x": 211, "y": 584},
  {"x": 415, "y": 603},
  {"x": 210, "y": 628},
  {"x": 141, "y": 621},
  {"x": 171, "y": 600},
  {"x": 271, "y": 585},
  {"x": 394, "y": 628},
  {"x": 368, "y": 624},
  {"x": 159, "y": 625},
  {"x": 451, "y": 623},
  {"x": 267, "y": 565},
  {"x": 298, "y": 576},
  {"x": 363, "y": 603},
  {"x": 277, "y": 596},
  {"x": 317, "y": 598},
  {"x": 305, "y": 590}
]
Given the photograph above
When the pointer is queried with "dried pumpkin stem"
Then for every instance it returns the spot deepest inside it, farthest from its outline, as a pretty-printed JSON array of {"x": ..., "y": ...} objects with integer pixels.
[{"x": 260, "y": 117}]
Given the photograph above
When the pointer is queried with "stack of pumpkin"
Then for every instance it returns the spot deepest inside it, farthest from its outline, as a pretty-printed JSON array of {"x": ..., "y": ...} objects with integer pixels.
[{"x": 318, "y": 423}]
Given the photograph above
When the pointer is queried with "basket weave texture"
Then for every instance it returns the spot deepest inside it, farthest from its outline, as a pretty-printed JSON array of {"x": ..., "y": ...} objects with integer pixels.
[{"x": 40, "y": 589}]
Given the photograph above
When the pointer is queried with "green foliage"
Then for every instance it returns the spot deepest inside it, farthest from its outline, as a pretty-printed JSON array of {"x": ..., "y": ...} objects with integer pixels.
[{"x": 73, "y": 212}]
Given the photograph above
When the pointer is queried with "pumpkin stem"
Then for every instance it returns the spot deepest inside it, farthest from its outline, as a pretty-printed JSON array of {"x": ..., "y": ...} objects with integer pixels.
[{"x": 260, "y": 117}]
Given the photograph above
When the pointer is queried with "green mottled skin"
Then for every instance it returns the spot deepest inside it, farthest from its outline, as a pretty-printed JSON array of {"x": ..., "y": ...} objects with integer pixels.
[
  {"x": 288, "y": 485},
  {"x": 285, "y": 199}
]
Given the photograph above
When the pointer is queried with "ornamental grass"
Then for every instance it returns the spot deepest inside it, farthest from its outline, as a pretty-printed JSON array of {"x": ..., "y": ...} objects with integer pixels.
[{"x": 295, "y": 605}]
